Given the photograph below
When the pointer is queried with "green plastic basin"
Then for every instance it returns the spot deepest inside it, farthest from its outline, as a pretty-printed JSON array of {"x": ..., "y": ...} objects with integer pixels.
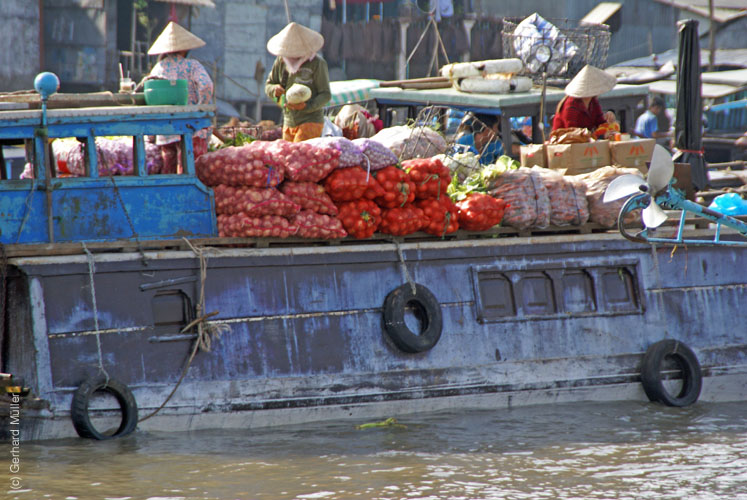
[{"x": 166, "y": 92}]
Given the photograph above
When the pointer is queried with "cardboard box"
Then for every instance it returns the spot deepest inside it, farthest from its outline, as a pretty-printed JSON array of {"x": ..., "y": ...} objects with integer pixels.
[
  {"x": 533, "y": 154},
  {"x": 578, "y": 158},
  {"x": 634, "y": 153}
]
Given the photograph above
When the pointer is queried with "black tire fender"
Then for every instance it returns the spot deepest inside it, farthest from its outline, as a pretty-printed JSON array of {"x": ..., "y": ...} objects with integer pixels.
[
  {"x": 79, "y": 408},
  {"x": 427, "y": 308},
  {"x": 651, "y": 376}
]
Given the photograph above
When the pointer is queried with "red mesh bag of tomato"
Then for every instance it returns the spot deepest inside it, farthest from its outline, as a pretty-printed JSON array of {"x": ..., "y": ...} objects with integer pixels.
[
  {"x": 430, "y": 176},
  {"x": 252, "y": 201},
  {"x": 348, "y": 184},
  {"x": 400, "y": 221},
  {"x": 397, "y": 186},
  {"x": 360, "y": 218},
  {"x": 318, "y": 226},
  {"x": 480, "y": 212},
  {"x": 266, "y": 226},
  {"x": 441, "y": 214},
  {"x": 309, "y": 195}
]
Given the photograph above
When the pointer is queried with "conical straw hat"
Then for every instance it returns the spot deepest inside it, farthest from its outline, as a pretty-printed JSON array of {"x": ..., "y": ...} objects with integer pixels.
[
  {"x": 590, "y": 82},
  {"x": 295, "y": 41},
  {"x": 174, "y": 38}
]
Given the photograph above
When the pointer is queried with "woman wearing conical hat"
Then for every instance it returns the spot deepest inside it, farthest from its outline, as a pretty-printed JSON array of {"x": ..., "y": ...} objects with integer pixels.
[
  {"x": 580, "y": 107},
  {"x": 171, "y": 47},
  {"x": 298, "y": 63}
]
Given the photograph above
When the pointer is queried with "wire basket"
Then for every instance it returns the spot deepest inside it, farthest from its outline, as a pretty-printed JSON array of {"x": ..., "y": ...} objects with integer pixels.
[
  {"x": 588, "y": 42},
  {"x": 421, "y": 144}
]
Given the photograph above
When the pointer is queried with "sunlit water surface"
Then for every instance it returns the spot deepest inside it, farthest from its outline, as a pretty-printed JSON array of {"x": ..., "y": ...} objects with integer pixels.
[{"x": 573, "y": 451}]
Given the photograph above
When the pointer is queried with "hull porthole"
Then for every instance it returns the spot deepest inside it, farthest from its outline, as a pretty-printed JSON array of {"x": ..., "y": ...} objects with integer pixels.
[
  {"x": 426, "y": 310},
  {"x": 670, "y": 373},
  {"x": 79, "y": 410}
]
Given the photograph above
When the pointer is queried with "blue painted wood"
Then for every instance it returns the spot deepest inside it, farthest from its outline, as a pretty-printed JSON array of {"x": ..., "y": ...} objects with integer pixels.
[{"x": 106, "y": 209}]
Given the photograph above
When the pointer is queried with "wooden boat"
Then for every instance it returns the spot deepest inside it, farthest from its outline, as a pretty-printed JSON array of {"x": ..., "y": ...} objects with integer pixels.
[{"x": 234, "y": 333}]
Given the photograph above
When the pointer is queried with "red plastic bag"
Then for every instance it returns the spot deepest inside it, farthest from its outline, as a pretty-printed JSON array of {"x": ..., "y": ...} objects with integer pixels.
[
  {"x": 441, "y": 214},
  {"x": 400, "y": 221},
  {"x": 348, "y": 184},
  {"x": 430, "y": 176},
  {"x": 480, "y": 212},
  {"x": 360, "y": 218}
]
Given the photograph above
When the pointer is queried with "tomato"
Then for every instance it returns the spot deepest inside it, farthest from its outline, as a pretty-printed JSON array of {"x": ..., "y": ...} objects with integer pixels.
[
  {"x": 430, "y": 176},
  {"x": 480, "y": 212},
  {"x": 360, "y": 218},
  {"x": 397, "y": 186},
  {"x": 441, "y": 215}
]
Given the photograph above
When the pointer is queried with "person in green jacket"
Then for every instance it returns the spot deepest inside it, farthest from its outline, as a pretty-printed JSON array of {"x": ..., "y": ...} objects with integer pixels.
[{"x": 297, "y": 62}]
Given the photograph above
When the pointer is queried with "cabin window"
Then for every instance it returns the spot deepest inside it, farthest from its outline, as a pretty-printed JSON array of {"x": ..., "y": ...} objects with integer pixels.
[
  {"x": 618, "y": 289},
  {"x": 497, "y": 296},
  {"x": 172, "y": 310},
  {"x": 536, "y": 293},
  {"x": 577, "y": 290}
]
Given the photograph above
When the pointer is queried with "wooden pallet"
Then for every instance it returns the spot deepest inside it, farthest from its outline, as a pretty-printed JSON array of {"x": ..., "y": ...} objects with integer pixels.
[{"x": 49, "y": 249}]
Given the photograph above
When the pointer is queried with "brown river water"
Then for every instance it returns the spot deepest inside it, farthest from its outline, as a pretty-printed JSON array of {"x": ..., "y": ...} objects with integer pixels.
[{"x": 630, "y": 450}]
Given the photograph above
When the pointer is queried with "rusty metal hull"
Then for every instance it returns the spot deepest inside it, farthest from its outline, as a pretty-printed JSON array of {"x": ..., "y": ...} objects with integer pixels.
[{"x": 525, "y": 321}]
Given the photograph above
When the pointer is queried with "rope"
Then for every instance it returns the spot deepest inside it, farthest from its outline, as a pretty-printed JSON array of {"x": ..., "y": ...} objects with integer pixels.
[
  {"x": 205, "y": 333},
  {"x": 91, "y": 270},
  {"x": 27, "y": 210},
  {"x": 403, "y": 268}
]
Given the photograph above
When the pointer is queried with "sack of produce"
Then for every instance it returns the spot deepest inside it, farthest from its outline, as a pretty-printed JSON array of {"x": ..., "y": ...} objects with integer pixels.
[
  {"x": 252, "y": 201},
  {"x": 360, "y": 218},
  {"x": 525, "y": 193},
  {"x": 114, "y": 157},
  {"x": 265, "y": 226},
  {"x": 442, "y": 216},
  {"x": 347, "y": 184},
  {"x": 350, "y": 155},
  {"x": 480, "y": 212},
  {"x": 318, "y": 226},
  {"x": 568, "y": 205},
  {"x": 405, "y": 142},
  {"x": 461, "y": 164},
  {"x": 605, "y": 214},
  {"x": 377, "y": 156},
  {"x": 398, "y": 188},
  {"x": 302, "y": 161},
  {"x": 309, "y": 196},
  {"x": 430, "y": 176},
  {"x": 401, "y": 221},
  {"x": 248, "y": 165}
]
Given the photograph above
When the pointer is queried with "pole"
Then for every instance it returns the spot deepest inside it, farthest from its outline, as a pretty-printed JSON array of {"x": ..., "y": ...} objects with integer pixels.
[
  {"x": 287, "y": 11},
  {"x": 133, "y": 35},
  {"x": 711, "y": 40}
]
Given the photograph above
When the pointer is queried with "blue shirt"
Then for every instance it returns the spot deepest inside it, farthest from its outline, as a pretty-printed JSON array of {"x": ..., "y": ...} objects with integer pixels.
[
  {"x": 647, "y": 124},
  {"x": 490, "y": 152}
]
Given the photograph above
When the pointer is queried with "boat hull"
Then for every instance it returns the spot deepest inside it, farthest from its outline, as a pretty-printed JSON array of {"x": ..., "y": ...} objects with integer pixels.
[{"x": 525, "y": 321}]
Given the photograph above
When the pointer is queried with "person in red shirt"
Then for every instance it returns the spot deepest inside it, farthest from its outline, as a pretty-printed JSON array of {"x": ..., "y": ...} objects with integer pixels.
[{"x": 580, "y": 107}]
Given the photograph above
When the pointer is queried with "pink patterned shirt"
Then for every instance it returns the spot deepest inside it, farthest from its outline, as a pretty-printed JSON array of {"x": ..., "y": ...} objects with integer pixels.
[{"x": 173, "y": 67}]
